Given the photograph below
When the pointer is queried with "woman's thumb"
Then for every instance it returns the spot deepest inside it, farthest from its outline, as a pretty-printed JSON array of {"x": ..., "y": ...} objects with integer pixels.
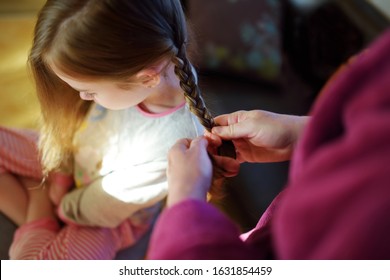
[{"x": 232, "y": 131}]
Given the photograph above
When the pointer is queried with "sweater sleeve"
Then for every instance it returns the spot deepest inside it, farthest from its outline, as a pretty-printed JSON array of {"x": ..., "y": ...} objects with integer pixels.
[
  {"x": 197, "y": 230},
  {"x": 337, "y": 203},
  {"x": 109, "y": 200}
]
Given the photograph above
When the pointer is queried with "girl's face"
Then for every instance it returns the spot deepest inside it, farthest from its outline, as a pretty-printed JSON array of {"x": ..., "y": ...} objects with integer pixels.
[{"x": 107, "y": 93}]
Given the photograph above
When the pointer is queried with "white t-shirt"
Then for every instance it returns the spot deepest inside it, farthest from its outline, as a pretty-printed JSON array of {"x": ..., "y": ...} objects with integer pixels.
[{"x": 121, "y": 161}]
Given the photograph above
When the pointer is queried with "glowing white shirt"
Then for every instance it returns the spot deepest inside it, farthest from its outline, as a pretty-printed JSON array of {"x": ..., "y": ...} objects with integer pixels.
[{"x": 121, "y": 161}]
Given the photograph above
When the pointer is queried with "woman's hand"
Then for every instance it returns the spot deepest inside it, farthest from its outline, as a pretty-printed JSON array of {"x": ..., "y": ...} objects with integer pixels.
[
  {"x": 189, "y": 170},
  {"x": 259, "y": 136}
]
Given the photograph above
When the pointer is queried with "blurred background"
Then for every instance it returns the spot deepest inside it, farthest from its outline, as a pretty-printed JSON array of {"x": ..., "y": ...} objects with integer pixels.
[
  {"x": 18, "y": 106},
  {"x": 251, "y": 54}
]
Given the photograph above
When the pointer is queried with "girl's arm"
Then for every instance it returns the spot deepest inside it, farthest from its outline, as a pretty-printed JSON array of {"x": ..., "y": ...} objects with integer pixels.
[{"x": 110, "y": 200}]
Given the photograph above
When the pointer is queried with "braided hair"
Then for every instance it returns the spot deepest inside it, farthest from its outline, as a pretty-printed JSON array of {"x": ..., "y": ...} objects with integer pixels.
[{"x": 192, "y": 93}]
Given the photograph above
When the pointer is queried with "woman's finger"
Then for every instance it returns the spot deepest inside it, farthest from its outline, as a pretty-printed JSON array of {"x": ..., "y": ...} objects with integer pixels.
[{"x": 229, "y": 167}]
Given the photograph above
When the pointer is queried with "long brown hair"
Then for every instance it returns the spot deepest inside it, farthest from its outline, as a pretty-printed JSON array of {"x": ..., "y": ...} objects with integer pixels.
[{"x": 107, "y": 39}]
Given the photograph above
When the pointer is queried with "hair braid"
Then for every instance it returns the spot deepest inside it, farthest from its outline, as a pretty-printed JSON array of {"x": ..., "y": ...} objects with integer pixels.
[
  {"x": 192, "y": 93},
  {"x": 188, "y": 82}
]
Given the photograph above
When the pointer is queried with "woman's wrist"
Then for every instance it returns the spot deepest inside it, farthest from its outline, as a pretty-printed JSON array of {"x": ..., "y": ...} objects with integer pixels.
[{"x": 182, "y": 194}]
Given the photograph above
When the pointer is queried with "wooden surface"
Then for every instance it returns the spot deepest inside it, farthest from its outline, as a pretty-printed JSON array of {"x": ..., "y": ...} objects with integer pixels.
[
  {"x": 20, "y": 6},
  {"x": 18, "y": 104}
]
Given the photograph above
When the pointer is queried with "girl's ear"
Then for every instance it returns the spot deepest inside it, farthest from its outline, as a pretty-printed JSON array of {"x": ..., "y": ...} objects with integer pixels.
[{"x": 151, "y": 77}]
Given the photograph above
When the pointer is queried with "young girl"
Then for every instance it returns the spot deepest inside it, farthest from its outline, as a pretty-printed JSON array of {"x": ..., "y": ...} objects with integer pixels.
[{"x": 130, "y": 58}]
